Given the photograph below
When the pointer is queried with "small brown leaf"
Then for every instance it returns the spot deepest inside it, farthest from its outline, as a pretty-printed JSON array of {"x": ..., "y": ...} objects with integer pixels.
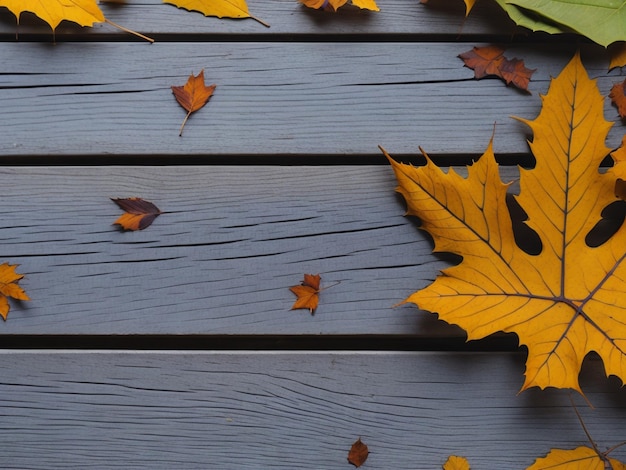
[
  {"x": 139, "y": 214},
  {"x": 490, "y": 60},
  {"x": 9, "y": 288},
  {"x": 618, "y": 98},
  {"x": 307, "y": 293},
  {"x": 358, "y": 453},
  {"x": 193, "y": 95}
]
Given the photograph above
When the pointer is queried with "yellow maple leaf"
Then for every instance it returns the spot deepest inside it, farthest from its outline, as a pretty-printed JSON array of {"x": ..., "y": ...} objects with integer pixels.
[
  {"x": 581, "y": 458},
  {"x": 455, "y": 462},
  {"x": 83, "y": 12},
  {"x": 219, "y": 8},
  {"x": 566, "y": 301},
  {"x": 9, "y": 288}
]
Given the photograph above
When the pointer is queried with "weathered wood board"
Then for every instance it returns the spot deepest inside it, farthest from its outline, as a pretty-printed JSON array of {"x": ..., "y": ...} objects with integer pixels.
[
  {"x": 221, "y": 259},
  {"x": 247, "y": 410},
  {"x": 296, "y": 100}
]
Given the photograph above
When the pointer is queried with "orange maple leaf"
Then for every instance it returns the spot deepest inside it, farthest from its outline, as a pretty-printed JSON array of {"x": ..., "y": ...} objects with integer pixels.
[
  {"x": 618, "y": 98},
  {"x": 139, "y": 214},
  {"x": 358, "y": 453},
  {"x": 455, "y": 462},
  {"x": 9, "y": 288},
  {"x": 193, "y": 95},
  {"x": 564, "y": 302},
  {"x": 334, "y": 5},
  {"x": 490, "y": 60},
  {"x": 307, "y": 293}
]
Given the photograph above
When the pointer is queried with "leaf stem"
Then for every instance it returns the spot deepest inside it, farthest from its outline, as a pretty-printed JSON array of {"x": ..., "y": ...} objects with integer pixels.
[
  {"x": 150, "y": 40},
  {"x": 183, "y": 124},
  {"x": 267, "y": 25}
]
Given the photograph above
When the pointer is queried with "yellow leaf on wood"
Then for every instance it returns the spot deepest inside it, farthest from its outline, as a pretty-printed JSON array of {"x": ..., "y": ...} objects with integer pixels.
[
  {"x": 617, "y": 53},
  {"x": 564, "y": 302},
  {"x": 581, "y": 458},
  {"x": 83, "y": 12},
  {"x": 9, "y": 288},
  {"x": 456, "y": 463},
  {"x": 218, "y": 8}
]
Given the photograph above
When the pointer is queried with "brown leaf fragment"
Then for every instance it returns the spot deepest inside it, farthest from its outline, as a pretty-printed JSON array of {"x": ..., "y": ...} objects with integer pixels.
[
  {"x": 307, "y": 293},
  {"x": 193, "y": 95},
  {"x": 490, "y": 60},
  {"x": 139, "y": 214},
  {"x": 618, "y": 98},
  {"x": 9, "y": 288},
  {"x": 358, "y": 453}
]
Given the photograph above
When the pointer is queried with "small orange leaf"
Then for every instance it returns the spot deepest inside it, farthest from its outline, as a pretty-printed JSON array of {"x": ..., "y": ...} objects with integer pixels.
[
  {"x": 618, "y": 98},
  {"x": 455, "y": 462},
  {"x": 358, "y": 453},
  {"x": 307, "y": 293},
  {"x": 9, "y": 288},
  {"x": 139, "y": 214},
  {"x": 490, "y": 60},
  {"x": 193, "y": 95}
]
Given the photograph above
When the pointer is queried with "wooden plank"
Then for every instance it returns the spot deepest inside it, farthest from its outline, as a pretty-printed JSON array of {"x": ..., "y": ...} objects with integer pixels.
[
  {"x": 291, "y": 99},
  {"x": 443, "y": 17},
  {"x": 221, "y": 259},
  {"x": 104, "y": 410}
]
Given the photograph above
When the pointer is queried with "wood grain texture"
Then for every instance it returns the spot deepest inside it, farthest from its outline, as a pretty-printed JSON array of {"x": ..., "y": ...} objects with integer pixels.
[
  {"x": 222, "y": 256},
  {"x": 441, "y": 17},
  {"x": 294, "y": 99},
  {"x": 288, "y": 410}
]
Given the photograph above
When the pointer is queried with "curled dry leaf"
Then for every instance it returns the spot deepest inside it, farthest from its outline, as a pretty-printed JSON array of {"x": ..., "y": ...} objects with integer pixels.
[
  {"x": 618, "y": 98},
  {"x": 455, "y": 462},
  {"x": 193, "y": 95},
  {"x": 358, "y": 453},
  {"x": 564, "y": 302},
  {"x": 139, "y": 214},
  {"x": 334, "y": 5},
  {"x": 490, "y": 60},
  {"x": 219, "y": 8},
  {"x": 9, "y": 288},
  {"x": 307, "y": 293}
]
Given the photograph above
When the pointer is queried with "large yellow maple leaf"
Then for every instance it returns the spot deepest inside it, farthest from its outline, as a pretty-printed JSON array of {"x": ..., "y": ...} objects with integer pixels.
[
  {"x": 581, "y": 458},
  {"x": 83, "y": 12},
  {"x": 566, "y": 301}
]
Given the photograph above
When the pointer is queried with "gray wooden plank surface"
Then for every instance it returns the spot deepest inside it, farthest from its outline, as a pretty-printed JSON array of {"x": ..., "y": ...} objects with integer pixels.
[
  {"x": 106, "y": 410},
  {"x": 288, "y": 17},
  {"x": 99, "y": 99},
  {"x": 221, "y": 260}
]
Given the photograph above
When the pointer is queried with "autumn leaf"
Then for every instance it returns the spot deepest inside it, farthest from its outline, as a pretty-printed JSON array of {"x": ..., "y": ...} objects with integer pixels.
[
  {"x": 618, "y": 98},
  {"x": 139, "y": 214},
  {"x": 307, "y": 293},
  {"x": 218, "y": 8},
  {"x": 82, "y": 12},
  {"x": 334, "y": 5},
  {"x": 581, "y": 458},
  {"x": 490, "y": 60},
  {"x": 617, "y": 54},
  {"x": 9, "y": 287},
  {"x": 564, "y": 302},
  {"x": 456, "y": 463},
  {"x": 358, "y": 453},
  {"x": 193, "y": 95}
]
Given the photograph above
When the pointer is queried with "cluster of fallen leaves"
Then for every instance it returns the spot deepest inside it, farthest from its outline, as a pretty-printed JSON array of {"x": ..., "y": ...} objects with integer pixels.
[{"x": 602, "y": 21}]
